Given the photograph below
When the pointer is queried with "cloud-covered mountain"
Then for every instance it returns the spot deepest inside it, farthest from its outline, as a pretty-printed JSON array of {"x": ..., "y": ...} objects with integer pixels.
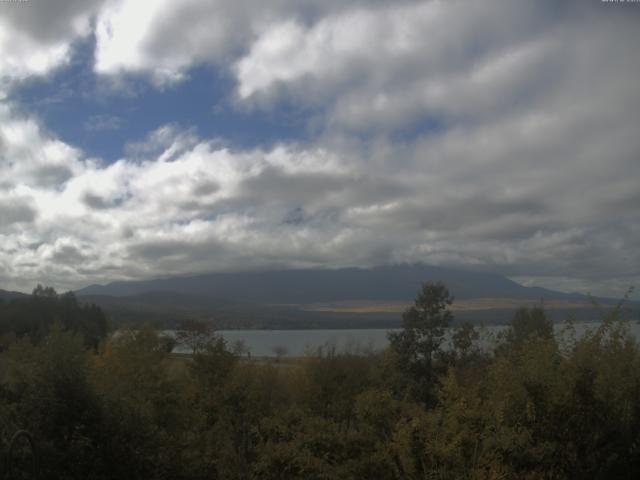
[
  {"x": 6, "y": 295},
  {"x": 323, "y": 298},
  {"x": 304, "y": 286}
]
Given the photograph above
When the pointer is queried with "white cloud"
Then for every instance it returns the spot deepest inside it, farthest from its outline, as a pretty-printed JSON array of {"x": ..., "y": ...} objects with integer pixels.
[
  {"x": 30, "y": 158},
  {"x": 387, "y": 68},
  {"x": 140, "y": 215},
  {"x": 165, "y": 38},
  {"x": 121, "y": 27}
]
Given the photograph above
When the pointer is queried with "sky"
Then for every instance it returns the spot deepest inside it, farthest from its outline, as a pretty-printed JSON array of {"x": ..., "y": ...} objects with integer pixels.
[{"x": 158, "y": 138}]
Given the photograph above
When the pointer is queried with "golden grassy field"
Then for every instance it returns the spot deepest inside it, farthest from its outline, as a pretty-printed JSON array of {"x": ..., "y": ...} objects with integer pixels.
[{"x": 467, "y": 305}]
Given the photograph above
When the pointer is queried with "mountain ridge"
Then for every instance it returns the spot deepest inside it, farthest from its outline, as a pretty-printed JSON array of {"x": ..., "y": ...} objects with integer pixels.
[
  {"x": 318, "y": 298},
  {"x": 7, "y": 295},
  {"x": 397, "y": 282}
]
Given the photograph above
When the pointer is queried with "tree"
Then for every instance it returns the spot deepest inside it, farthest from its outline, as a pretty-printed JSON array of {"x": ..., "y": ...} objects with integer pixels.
[
  {"x": 423, "y": 328},
  {"x": 147, "y": 419},
  {"x": 279, "y": 351},
  {"x": 464, "y": 339},
  {"x": 194, "y": 335},
  {"x": 50, "y": 395},
  {"x": 530, "y": 321},
  {"x": 34, "y": 315},
  {"x": 44, "y": 292}
]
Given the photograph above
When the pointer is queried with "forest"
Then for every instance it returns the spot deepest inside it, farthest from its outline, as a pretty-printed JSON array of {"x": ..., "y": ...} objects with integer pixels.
[{"x": 102, "y": 406}]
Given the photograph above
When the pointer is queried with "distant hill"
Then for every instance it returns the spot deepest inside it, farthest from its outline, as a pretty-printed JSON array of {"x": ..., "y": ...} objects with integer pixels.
[
  {"x": 305, "y": 286},
  {"x": 8, "y": 295}
]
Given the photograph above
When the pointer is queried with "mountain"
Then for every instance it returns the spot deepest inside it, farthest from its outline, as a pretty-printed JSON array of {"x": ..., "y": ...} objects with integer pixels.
[
  {"x": 323, "y": 298},
  {"x": 320, "y": 298},
  {"x": 304, "y": 286},
  {"x": 8, "y": 295}
]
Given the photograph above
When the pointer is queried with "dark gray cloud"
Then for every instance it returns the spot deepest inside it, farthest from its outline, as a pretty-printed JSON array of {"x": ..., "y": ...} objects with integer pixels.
[
  {"x": 295, "y": 216},
  {"x": 48, "y": 22},
  {"x": 317, "y": 190},
  {"x": 97, "y": 202},
  {"x": 205, "y": 188},
  {"x": 451, "y": 214},
  {"x": 275, "y": 185},
  {"x": 51, "y": 175},
  {"x": 14, "y": 211},
  {"x": 68, "y": 255},
  {"x": 183, "y": 254},
  {"x": 158, "y": 249}
]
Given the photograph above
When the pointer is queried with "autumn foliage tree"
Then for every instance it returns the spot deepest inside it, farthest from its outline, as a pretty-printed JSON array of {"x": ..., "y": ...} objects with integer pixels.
[{"x": 531, "y": 405}]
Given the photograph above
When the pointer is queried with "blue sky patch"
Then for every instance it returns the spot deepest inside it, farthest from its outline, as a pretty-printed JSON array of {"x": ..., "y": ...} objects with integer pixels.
[{"x": 84, "y": 110}]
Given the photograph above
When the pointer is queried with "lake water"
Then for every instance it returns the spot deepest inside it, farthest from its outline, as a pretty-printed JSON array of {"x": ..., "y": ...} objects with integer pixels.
[{"x": 265, "y": 343}]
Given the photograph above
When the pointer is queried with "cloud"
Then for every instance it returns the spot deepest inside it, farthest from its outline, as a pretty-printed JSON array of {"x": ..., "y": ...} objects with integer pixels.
[
  {"x": 66, "y": 254},
  {"x": 97, "y": 202},
  {"x": 167, "y": 140},
  {"x": 387, "y": 68},
  {"x": 15, "y": 210},
  {"x": 36, "y": 36},
  {"x": 165, "y": 38},
  {"x": 204, "y": 208},
  {"x": 31, "y": 158},
  {"x": 497, "y": 136}
]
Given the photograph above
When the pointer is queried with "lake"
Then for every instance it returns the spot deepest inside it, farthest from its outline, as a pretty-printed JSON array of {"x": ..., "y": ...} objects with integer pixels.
[{"x": 265, "y": 343}]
